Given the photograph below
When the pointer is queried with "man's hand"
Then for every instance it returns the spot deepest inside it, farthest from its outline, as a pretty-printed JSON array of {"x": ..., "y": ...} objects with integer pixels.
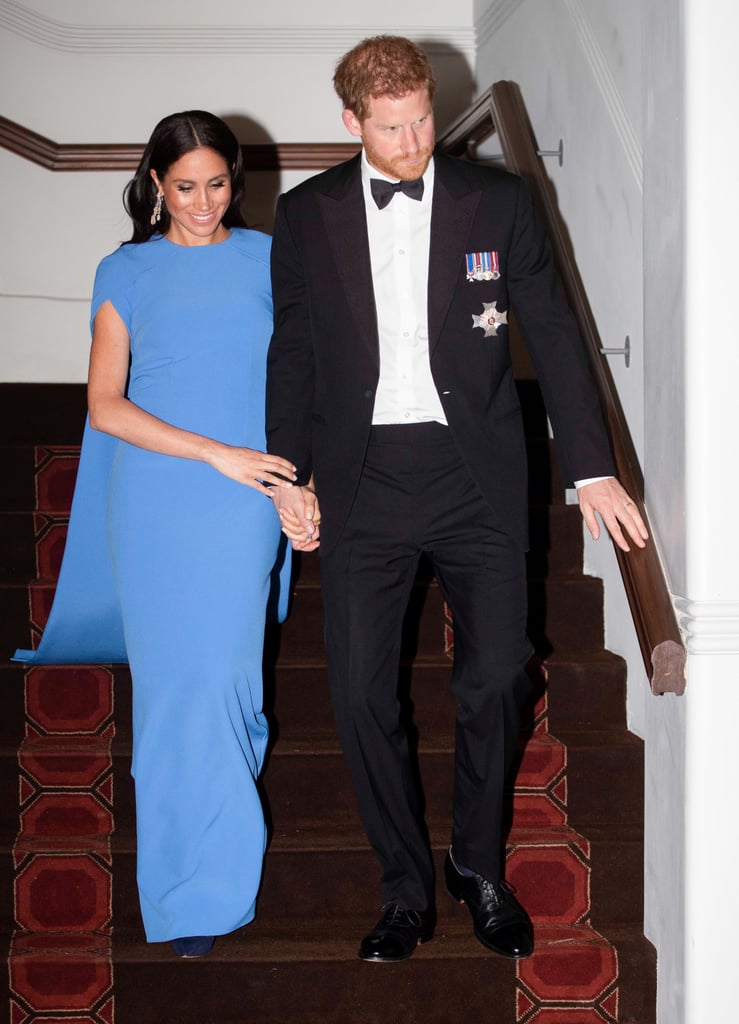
[
  {"x": 299, "y": 514},
  {"x": 615, "y": 508}
]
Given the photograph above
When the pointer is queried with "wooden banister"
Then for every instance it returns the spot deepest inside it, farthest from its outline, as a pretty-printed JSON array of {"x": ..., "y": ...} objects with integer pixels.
[
  {"x": 501, "y": 110},
  {"x": 54, "y": 156}
]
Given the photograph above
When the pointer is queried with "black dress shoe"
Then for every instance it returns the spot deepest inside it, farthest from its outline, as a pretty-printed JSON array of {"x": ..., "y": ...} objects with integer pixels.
[
  {"x": 500, "y": 921},
  {"x": 397, "y": 934}
]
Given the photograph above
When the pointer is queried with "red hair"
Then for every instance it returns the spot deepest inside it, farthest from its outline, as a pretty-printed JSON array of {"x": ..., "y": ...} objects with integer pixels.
[{"x": 382, "y": 66}]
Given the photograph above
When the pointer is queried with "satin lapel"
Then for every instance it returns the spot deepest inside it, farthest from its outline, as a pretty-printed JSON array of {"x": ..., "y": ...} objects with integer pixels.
[
  {"x": 452, "y": 216},
  {"x": 346, "y": 226}
]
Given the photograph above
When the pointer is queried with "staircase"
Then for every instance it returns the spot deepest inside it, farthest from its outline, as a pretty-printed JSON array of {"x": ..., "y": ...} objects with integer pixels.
[{"x": 71, "y": 921}]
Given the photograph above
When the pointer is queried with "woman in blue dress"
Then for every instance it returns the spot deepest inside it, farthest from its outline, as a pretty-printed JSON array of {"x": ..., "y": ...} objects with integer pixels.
[{"x": 181, "y": 321}]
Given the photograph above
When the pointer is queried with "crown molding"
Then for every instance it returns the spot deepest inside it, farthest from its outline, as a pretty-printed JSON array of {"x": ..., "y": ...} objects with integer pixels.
[
  {"x": 493, "y": 19},
  {"x": 496, "y": 15},
  {"x": 156, "y": 39},
  {"x": 53, "y": 156},
  {"x": 608, "y": 90}
]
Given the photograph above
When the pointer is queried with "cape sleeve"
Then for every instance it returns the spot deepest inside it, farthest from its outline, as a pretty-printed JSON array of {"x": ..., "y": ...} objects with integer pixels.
[{"x": 85, "y": 625}]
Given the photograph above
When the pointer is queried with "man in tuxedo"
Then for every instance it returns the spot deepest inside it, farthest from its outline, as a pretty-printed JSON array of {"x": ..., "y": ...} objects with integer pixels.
[{"x": 390, "y": 388}]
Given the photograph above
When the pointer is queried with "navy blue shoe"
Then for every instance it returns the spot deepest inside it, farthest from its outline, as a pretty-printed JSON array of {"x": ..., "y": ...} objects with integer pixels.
[{"x": 193, "y": 946}]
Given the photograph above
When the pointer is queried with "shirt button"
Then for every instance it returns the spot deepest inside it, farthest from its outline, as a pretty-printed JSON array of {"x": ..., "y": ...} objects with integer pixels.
[
  {"x": 401, "y": 252},
  {"x": 407, "y": 415}
]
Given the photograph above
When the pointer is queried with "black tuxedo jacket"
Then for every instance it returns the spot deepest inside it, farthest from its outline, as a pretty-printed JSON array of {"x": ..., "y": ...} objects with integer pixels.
[{"x": 323, "y": 363}]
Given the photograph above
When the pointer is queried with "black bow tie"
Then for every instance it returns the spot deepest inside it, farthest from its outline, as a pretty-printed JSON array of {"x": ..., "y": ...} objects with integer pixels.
[{"x": 383, "y": 191}]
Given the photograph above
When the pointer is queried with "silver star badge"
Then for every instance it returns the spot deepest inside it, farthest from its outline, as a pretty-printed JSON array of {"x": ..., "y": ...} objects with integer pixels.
[{"x": 491, "y": 319}]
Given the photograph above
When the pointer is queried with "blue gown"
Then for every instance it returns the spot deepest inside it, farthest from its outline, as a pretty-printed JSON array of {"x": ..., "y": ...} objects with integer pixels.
[{"x": 170, "y": 566}]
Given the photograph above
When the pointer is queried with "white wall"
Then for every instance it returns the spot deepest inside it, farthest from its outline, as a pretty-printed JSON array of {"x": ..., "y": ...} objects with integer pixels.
[
  {"x": 589, "y": 75},
  {"x": 711, "y": 603},
  {"x": 664, "y": 721},
  {"x": 77, "y": 72},
  {"x": 644, "y": 96}
]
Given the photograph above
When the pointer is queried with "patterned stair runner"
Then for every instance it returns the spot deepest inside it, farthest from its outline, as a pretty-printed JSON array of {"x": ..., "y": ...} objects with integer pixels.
[
  {"x": 67, "y": 964},
  {"x": 61, "y": 950}
]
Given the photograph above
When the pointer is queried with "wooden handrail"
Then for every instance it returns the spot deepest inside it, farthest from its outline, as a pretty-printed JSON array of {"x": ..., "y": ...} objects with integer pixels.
[
  {"x": 502, "y": 110},
  {"x": 54, "y": 156}
]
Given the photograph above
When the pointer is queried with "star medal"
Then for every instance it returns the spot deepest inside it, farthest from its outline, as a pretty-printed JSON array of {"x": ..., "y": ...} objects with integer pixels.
[
  {"x": 482, "y": 266},
  {"x": 491, "y": 318}
]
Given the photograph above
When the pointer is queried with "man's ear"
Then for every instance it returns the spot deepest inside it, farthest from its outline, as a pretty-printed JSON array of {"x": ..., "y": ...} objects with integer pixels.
[{"x": 351, "y": 122}]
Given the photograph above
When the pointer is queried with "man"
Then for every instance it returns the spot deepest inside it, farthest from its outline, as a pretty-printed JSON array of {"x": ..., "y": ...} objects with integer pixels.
[{"x": 389, "y": 380}]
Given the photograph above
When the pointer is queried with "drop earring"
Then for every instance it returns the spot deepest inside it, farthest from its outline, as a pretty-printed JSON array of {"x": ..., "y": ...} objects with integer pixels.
[{"x": 157, "y": 212}]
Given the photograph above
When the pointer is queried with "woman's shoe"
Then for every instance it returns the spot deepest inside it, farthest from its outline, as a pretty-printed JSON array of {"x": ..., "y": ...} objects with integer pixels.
[{"x": 193, "y": 946}]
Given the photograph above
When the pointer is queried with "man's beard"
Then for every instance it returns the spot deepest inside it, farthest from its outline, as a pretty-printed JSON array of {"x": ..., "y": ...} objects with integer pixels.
[{"x": 397, "y": 168}]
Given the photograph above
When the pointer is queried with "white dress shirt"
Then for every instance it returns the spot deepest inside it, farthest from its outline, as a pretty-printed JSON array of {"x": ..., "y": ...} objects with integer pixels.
[{"x": 399, "y": 242}]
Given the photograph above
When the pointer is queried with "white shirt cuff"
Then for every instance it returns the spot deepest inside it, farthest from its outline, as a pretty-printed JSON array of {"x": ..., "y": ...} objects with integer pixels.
[{"x": 592, "y": 480}]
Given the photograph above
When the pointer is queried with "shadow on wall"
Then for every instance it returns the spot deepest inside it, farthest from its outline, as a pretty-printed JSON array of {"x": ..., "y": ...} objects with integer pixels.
[
  {"x": 262, "y": 187},
  {"x": 455, "y": 82}
]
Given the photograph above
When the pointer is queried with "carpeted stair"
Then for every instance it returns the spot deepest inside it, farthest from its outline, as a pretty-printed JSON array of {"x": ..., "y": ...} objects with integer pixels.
[{"x": 70, "y": 914}]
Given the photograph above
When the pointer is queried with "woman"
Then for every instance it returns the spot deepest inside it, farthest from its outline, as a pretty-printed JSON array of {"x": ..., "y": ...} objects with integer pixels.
[{"x": 192, "y": 539}]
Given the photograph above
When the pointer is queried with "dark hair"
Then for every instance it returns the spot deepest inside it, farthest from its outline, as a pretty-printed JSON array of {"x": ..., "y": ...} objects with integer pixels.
[
  {"x": 173, "y": 137},
  {"x": 382, "y": 66}
]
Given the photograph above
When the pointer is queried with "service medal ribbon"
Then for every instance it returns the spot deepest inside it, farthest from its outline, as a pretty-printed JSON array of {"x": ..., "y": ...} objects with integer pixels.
[{"x": 482, "y": 266}]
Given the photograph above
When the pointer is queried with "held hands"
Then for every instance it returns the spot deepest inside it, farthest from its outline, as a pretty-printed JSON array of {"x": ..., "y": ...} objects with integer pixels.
[
  {"x": 255, "y": 469},
  {"x": 299, "y": 514},
  {"x": 615, "y": 508}
]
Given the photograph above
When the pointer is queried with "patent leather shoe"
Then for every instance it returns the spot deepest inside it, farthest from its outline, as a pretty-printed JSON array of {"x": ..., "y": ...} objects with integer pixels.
[
  {"x": 192, "y": 946},
  {"x": 396, "y": 934},
  {"x": 501, "y": 924}
]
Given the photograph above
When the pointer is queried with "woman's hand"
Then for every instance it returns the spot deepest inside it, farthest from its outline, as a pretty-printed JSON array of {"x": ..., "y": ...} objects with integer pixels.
[{"x": 253, "y": 468}]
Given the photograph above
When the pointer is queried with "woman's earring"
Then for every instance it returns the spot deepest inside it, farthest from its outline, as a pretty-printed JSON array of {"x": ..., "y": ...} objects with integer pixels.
[{"x": 157, "y": 213}]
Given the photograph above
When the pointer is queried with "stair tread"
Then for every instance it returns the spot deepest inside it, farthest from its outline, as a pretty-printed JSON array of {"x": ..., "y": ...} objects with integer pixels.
[
  {"x": 323, "y": 838},
  {"x": 275, "y": 939},
  {"x": 61, "y": 745},
  {"x": 570, "y": 577}
]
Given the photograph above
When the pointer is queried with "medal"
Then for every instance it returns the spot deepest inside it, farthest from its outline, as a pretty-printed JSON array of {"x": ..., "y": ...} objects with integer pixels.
[
  {"x": 491, "y": 319},
  {"x": 482, "y": 266}
]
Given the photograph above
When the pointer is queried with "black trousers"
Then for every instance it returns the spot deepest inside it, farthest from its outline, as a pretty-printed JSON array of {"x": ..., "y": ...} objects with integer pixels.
[{"x": 417, "y": 497}]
